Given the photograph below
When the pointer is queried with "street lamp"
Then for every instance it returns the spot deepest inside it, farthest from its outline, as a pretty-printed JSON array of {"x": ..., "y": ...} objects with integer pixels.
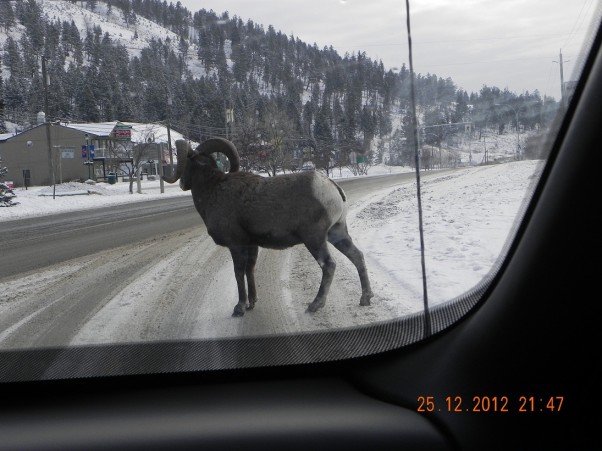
[{"x": 517, "y": 129}]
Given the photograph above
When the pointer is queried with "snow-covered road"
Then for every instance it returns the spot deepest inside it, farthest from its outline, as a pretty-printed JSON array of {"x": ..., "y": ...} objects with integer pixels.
[{"x": 181, "y": 286}]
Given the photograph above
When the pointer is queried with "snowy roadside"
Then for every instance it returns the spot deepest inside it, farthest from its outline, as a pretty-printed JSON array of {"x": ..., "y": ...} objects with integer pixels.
[
  {"x": 467, "y": 218},
  {"x": 38, "y": 201}
]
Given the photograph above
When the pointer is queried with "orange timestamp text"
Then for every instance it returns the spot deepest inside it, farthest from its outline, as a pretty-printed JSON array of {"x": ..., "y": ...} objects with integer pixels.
[{"x": 501, "y": 404}]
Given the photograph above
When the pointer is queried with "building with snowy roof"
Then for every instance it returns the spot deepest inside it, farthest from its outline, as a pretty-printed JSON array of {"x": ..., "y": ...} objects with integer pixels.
[{"x": 60, "y": 152}]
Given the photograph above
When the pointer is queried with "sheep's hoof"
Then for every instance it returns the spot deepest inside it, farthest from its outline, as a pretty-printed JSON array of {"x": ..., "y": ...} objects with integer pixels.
[
  {"x": 238, "y": 310},
  {"x": 314, "y": 306},
  {"x": 365, "y": 299}
]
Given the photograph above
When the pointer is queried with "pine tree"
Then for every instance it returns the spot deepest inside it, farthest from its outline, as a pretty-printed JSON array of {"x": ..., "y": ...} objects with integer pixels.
[
  {"x": 324, "y": 142},
  {"x": 15, "y": 94},
  {"x": 7, "y": 16},
  {"x": 6, "y": 193}
]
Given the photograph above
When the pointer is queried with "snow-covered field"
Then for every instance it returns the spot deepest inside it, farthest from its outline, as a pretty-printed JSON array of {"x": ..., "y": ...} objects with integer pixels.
[
  {"x": 43, "y": 201},
  {"x": 467, "y": 218}
]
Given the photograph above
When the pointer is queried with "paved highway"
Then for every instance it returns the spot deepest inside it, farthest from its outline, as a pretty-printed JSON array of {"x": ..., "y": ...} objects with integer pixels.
[{"x": 30, "y": 244}]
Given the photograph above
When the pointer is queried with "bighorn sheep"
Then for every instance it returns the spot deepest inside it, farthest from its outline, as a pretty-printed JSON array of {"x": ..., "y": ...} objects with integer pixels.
[{"x": 243, "y": 211}]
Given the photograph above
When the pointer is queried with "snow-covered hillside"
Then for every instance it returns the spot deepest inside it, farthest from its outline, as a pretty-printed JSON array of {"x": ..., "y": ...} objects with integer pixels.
[
  {"x": 134, "y": 37},
  {"x": 138, "y": 35}
]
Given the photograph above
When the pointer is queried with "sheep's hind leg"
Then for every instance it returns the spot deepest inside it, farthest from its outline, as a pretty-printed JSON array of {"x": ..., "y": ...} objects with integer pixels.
[
  {"x": 340, "y": 239},
  {"x": 240, "y": 258},
  {"x": 250, "y": 272},
  {"x": 328, "y": 265}
]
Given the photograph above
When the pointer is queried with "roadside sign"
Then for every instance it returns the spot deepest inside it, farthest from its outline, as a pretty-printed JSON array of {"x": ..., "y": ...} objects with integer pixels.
[
  {"x": 85, "y": 150},
  {"x": 122, "y": 132}
]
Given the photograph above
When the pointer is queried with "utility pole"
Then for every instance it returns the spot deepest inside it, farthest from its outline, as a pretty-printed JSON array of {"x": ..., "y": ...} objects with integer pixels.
[
  {"x": 169, "y": 103},
  {"x": 229, "y": 122},
  {"x": 517, "y": 156},
  {"x": 46, "y": 82},
  {"x": 88, "y": 162},
  {"x": 562, "y": 94},
  {"x": 562, "y": 90}
]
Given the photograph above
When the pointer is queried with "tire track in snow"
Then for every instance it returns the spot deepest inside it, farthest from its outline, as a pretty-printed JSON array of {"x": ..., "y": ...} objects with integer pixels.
[{"x": 52, "y": 310}]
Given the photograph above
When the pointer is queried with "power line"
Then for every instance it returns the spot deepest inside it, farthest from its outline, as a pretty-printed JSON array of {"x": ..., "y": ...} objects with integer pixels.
[{"x": 575, "y": 27}]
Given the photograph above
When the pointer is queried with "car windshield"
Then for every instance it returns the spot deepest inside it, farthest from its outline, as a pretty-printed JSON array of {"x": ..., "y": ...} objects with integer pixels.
[{"x": 165, "y": 168}]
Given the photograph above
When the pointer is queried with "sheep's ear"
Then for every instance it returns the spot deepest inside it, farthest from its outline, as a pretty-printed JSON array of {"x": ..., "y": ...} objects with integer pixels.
[{"x": 192, "y": 154}]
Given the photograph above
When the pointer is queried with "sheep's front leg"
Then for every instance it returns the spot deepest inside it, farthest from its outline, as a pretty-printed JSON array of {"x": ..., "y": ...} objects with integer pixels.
[
  {"x": 240, "y": 258},
  {"x": 328, "y": 265}
]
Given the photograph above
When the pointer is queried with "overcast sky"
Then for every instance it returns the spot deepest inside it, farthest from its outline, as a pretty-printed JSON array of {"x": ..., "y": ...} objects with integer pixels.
[{"x": 503, "y": 43}]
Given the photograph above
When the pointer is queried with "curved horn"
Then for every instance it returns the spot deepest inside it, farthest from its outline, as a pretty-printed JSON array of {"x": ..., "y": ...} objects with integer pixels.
[
  {"x": 224, "y": 146},
  {"x": 183, "y": 149}
]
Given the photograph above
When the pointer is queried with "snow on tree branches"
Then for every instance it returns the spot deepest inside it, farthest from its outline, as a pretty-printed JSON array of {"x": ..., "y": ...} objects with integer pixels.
[{"x": 6, "y": 193}]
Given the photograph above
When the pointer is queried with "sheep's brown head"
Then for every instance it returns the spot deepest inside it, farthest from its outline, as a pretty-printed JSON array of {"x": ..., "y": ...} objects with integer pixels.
[{"x": 201, "y": 155}]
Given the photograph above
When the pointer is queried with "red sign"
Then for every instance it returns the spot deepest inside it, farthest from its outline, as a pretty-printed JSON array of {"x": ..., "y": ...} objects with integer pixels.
[{"x": 122, "y": 133}]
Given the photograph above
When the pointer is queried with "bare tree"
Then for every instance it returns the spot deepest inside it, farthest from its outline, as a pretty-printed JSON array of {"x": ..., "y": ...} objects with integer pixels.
[
  {"x": 360, "y": 163},
  {"x": 277, "y": 152},
  {"x": 248, "y": 138},
  {"x": 130, "y": 156}
]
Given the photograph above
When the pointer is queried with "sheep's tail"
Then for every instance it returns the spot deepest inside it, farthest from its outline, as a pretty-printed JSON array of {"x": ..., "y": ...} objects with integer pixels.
[{"x": 341, "y": 192}]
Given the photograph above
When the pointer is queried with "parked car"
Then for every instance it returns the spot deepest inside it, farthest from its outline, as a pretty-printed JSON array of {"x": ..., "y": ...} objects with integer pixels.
[{"x": 308, "y": 166}]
